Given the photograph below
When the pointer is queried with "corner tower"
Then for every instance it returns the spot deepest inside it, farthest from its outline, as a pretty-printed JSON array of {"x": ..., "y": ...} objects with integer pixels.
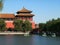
[{"x": 25, "y": 14}]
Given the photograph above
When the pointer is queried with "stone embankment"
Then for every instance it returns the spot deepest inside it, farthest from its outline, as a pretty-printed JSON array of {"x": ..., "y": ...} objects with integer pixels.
[{"x": 6, "y": 33}]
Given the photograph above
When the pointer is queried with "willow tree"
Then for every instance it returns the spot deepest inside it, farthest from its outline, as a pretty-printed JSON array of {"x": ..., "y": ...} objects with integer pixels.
[{"x": 1, "y": 5}]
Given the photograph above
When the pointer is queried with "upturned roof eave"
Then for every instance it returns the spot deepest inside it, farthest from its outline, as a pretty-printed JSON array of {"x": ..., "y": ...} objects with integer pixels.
[{"x": 24, "y": 10}]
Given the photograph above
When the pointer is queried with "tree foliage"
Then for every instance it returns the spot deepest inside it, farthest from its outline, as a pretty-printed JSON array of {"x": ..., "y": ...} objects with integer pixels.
[
  {"x": 22, "y": 25},
  {"x": 41, "y": 26},
  {"x": 51, "y": 26},
  {"x": 27, "y": 25},
  {"x": 2, "y": 25},
  {"x": 18, "y": 25}
]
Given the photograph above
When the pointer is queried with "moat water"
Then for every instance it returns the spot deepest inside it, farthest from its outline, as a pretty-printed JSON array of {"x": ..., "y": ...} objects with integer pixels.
[{"x": 28, "y": 40}]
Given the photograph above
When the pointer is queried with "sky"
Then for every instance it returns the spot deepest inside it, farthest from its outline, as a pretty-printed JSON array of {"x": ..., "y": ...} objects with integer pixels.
[{"x": 44, "y": 10}]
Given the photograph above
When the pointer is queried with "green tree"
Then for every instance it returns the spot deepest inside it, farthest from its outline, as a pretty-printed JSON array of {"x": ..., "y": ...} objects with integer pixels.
[
  {"x": 41, "y": 26},
  {"x": 2, "y": 25},
  {"x": 18, "y": 25},
  {"x": 53, "y": 25},
  {"x": 27, "y": 26}
]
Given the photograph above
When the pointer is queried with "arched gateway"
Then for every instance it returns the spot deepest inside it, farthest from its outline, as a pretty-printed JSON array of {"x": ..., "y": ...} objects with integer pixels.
[{"x": 22, "y": 14}]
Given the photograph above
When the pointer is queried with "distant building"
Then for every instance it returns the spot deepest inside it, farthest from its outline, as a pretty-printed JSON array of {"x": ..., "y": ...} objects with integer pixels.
[{"x": 22, "y": 14}]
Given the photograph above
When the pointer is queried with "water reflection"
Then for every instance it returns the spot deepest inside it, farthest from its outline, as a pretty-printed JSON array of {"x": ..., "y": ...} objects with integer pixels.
[
  {"x": 9, "y": 40},
  {"x": 35, "y": 40},
  {"x": 28, "y": 40}
]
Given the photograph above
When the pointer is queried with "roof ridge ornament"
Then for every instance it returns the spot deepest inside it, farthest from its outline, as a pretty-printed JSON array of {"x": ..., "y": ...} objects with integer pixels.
[
  {"x": 24, "y": 10},
  {"x": 23, "y": 7}
]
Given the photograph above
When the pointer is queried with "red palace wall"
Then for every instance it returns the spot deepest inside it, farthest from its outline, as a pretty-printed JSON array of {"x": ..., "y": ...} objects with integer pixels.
[{"x": 9, "y": 24}]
